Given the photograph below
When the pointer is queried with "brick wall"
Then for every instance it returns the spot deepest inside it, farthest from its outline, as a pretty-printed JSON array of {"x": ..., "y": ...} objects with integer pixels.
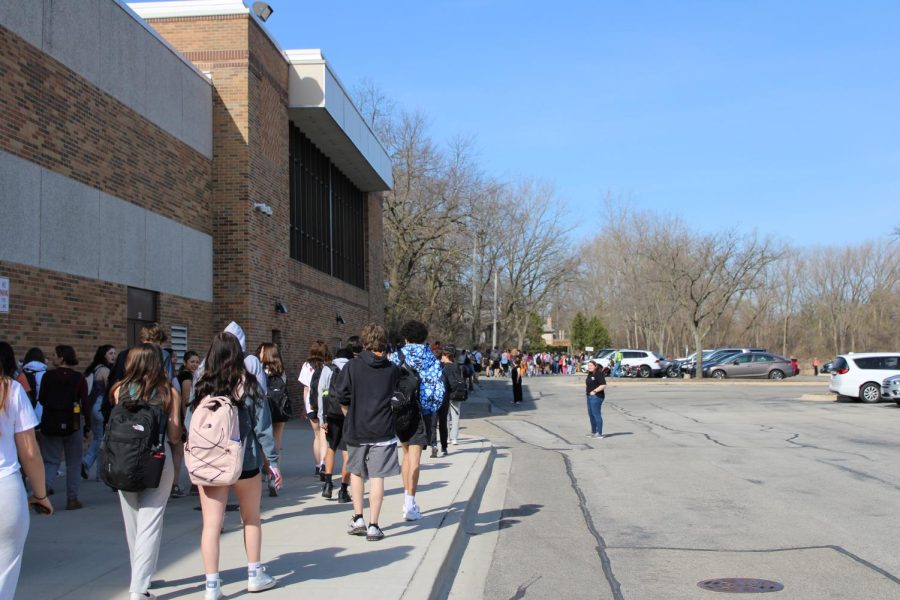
[{"x": 52, "y": 116}]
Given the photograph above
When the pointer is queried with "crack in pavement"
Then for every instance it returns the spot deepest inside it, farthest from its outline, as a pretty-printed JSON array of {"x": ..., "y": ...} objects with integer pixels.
[
  {"x": 860, "y": 474},
  {"x": 673, "y": 430},
  {"x": 675, "y": 412}
]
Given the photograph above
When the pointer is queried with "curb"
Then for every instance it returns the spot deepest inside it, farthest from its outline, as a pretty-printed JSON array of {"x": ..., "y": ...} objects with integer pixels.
[{"x": 434, "y": 576}]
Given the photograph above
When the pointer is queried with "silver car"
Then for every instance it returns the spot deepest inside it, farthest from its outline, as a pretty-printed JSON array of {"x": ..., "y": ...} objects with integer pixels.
[
  {"x": 890, "y": 389},
  {"x": 753, "y": 364}
]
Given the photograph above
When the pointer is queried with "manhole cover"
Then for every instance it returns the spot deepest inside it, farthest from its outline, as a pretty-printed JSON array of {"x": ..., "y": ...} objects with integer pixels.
[{"x": 739, "y": 585}]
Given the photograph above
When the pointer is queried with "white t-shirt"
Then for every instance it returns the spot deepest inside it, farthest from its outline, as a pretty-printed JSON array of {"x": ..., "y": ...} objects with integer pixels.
[
  {"x": 305, "y": 378},
  {"x": 17, "y": 416}
]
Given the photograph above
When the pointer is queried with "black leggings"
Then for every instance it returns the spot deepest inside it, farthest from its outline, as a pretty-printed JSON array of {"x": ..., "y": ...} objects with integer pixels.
[{"x": 442, "y": 413}]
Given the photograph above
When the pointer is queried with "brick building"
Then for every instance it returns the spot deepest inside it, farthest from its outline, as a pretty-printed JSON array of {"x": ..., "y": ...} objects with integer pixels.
[{"x": 169, "y": 161}]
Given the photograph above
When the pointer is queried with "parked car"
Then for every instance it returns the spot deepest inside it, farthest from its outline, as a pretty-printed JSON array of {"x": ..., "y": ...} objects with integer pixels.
[
  {"x": 598, "y": 357},
  {"x": 827, "y": 367},
  {"x": 646, "y": 362},
  {"x": 890, "y": 389},
  {"x": 861, "y": 375},
  {"x": 714, "y": 355},
  {"x": 751, "y": 364}
]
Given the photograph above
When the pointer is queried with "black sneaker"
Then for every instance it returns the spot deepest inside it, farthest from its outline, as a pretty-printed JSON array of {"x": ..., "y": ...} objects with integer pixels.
[
  {"x": 273, "y": 491},
  {"x": 434, "y": 452},
  {"x": 327, "y": 490},
  {"x": 84, "y": 471},
  {"x": 344, "y": 496},
  {"x": 374, "y": 533}
]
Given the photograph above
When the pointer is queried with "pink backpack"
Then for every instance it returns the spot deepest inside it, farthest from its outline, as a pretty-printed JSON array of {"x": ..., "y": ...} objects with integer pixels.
[{"x": 213, "y": 453}]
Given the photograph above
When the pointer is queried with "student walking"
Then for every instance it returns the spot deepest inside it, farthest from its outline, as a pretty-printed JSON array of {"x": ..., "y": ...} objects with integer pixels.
[
  {"x": 595, "y": 386},
  {"x": 18, "y": 451},
  {"x": 225, "y": 375},
  {"x": 455, "y": 393},
  {"x": 97, "y": 372},
  {"x": 364, "y": 388},
  {"x": 276, "y": 396},
  {"x": 333, "y": 425},
  {"x": 309, "y": 374},
  {"x": 418, "y": 355},
  {"x": 517, "y": 379},
  {"x": 145, "y": 386},
  {"x": 63, "y": 398},
  {"x": 185, "y": 381},
  {"x": 31, "y": 375}
]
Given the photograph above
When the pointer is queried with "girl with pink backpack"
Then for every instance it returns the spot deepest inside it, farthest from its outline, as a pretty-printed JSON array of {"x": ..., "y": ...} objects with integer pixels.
[{"x": 230, "y": 427}]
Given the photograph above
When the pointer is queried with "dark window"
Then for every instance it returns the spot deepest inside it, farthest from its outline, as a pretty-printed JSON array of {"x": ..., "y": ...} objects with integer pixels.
[
  {"x": 877, "y": 362},
  {"x": 329, "y": 215},
  {"x": 141, "y": 310}
]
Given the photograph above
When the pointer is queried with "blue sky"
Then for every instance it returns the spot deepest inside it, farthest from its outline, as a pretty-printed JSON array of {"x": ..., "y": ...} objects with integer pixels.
[{"x": 783, "y": 116}]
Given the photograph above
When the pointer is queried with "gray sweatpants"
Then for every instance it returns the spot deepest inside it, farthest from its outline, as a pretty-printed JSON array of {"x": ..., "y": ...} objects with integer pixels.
[
  {"x": 52, "y": 449},
  {"x": 453, "y": 415},
  {"x": 13, "y": 531},
  {"x": 143, "y": 516}
]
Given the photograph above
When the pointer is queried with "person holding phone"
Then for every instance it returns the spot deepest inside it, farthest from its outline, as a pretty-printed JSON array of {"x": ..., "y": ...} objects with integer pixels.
[
  {"x": 226, "y": 375},
  {"x": 18, "y": 451}
]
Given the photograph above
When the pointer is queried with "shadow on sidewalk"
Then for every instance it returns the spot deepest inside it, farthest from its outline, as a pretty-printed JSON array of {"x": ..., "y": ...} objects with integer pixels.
[{"x": 294, "y": 567}]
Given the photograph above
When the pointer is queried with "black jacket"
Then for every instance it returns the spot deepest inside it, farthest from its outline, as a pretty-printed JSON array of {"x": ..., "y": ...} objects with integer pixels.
[{"x": 365, "y": 386}]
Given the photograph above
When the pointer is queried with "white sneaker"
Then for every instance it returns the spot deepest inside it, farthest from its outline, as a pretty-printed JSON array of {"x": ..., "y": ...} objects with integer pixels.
[
  {"x": 412, "y": 513},
  {"x": 357, "y": 527},
  {"x": 599, "y": 436},
  {"x": 213, "y": 590},
  {"x": 260, "y": 581},
  {"x": 454, "y": 442}
]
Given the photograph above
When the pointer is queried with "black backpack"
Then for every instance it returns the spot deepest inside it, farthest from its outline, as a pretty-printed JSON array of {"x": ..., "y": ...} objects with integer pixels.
[
  {"x": 277, "y": 396},
  {"x": 313, "y": 393},
  {"x": 459, "y": 389},
  {"x": 405, "y": 402},
  {"x": 132, "y": 453},
  {"x": 332, "y": 405},
  {"x": 31, "y": 378},
  {"x": 59, "y": 398}
]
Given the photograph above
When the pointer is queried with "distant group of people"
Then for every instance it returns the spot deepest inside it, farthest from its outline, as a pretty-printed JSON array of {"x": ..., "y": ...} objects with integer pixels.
[
  {"x": 499, "y": 363},
  {"x": 138, "y": 423}
]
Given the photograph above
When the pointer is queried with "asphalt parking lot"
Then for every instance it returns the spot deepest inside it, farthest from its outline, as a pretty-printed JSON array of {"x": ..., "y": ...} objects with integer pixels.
[{"x": 697, "y": 480}]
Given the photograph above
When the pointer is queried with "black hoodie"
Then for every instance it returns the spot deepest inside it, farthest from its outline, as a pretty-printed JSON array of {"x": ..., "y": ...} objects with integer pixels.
[{"x": 365, "y": 386}]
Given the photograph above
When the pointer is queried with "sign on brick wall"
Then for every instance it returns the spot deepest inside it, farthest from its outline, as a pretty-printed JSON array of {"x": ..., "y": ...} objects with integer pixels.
[{"x": 4, "y": 294}]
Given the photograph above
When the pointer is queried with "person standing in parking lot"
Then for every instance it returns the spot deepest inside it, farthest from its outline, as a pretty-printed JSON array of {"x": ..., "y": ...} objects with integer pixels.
[{"x": 595, "y": 388}]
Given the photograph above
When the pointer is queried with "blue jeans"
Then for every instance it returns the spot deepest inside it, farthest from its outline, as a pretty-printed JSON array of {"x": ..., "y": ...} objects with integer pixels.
[
  {"x": 93, "y": 452},
  {"x": 617, "y": 370},
  {"x": 594, "y": 404}
]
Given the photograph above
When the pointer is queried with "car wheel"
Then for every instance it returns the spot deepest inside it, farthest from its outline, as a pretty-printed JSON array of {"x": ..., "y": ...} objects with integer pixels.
[
  {"x": 672, "y": 372},
  {"x": 644, "y": 371},
  {"x": 869, "y": 393},
  {"x": 776, "y": 374},
  {"x": 718, "y": 374}
]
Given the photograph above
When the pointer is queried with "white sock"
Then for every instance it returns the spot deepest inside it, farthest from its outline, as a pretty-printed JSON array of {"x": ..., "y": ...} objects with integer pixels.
[
  {"x": 212, "y": 577},
  {"x": 252, "y": 568},
  {"x": 405, "y": 499},
  {"x": 412, "y": 500}
]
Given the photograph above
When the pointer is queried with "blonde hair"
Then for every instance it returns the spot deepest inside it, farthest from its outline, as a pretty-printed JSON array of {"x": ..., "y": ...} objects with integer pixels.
[{"x": 5, "y": 387}]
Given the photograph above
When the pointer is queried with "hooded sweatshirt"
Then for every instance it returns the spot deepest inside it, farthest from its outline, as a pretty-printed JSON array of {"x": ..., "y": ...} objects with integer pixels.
[
  {"x": 38, "y": 369},
  {"x": 365, "y": 386},
  {"x": 251, "y": 362},
  {"x": 431, "y": 376}
]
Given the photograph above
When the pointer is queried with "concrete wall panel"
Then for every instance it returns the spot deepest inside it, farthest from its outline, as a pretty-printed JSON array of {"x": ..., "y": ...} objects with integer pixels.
[
  {"x": 70, "y": 215},
  {"x": 20, "y": 216},
  {"x": 196, "y": 118},
  {"x": 123, "y": 248},
  {"x": 197, "y": 259},
  {"x": 122, "y": 67},
  {"x": 25, "y": 19},
  {"x": 164, "y": 85},
  {"x": 72, "y": 35},
  {"x": 162, "y": 263}
]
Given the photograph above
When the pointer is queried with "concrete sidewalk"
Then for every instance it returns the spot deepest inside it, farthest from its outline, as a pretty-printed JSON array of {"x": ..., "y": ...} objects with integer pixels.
[{"x": 83, "y": 554}]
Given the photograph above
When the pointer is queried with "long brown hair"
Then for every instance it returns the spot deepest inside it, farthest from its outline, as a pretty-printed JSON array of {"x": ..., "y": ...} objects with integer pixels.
[
  {"x": 318, "y": 354},
  {"x": 4, "y": 390},
  {"x": 144, "y": 368},
  {"x": 224, "y": 372},
  {"x": 270, "y": 357}
]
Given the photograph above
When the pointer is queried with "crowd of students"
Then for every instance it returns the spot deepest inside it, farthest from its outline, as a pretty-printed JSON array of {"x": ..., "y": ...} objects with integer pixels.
[{"x": 143, "y": 424}]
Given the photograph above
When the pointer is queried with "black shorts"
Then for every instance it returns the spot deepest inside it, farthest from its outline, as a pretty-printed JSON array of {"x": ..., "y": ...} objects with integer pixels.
[
  {"x": 422, "y": 436},
  {"x": 249, "y": 474},
  {"x": 335, "y": 433}
]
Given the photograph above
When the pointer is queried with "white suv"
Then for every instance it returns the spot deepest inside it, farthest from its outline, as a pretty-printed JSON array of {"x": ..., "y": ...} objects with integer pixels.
[
  {"x": 646, "y": 362},
  {"x": 860, "y": 375}
]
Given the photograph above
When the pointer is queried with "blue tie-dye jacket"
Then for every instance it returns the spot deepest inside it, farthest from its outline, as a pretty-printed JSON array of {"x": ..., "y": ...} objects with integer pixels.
[{"x": 431, "y": 376}]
